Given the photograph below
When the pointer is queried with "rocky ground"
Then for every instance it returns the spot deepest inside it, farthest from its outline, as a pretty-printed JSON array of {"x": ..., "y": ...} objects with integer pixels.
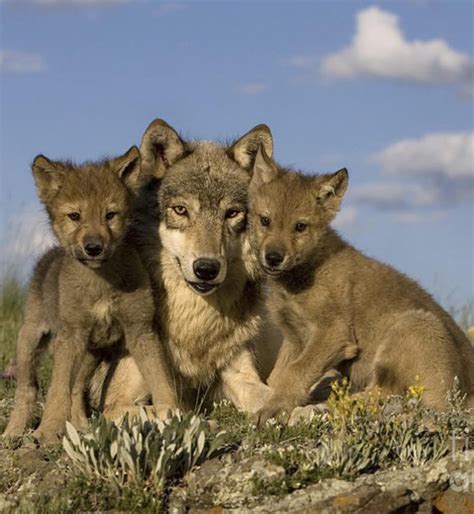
[{"x": 245, "y": 477}]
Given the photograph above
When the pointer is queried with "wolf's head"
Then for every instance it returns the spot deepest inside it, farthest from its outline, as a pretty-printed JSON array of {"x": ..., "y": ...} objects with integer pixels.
[
  {"x": 202, "y": 198},
  {"x": 289, "y": 212},
  {"x": 89, "y": 206}
]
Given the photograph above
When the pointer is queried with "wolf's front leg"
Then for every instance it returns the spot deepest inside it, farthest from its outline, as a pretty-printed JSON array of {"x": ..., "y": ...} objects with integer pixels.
[
  {"x": 295, "y": 374},
  {"x": 69, "y": 350},
  {"x": 145, "y": 347},
  {"x": 78, "y": 405},
  {"x": 241, "y": 383},
  {"x": 27, "y": 352}
]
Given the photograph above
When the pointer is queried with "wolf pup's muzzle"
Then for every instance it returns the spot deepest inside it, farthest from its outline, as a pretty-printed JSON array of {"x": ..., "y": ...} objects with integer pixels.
[{"x": 273, "y": 261}]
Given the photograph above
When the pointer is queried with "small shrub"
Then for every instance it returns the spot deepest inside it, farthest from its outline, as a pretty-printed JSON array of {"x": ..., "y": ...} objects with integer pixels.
[{"x": 142, "y": 451}]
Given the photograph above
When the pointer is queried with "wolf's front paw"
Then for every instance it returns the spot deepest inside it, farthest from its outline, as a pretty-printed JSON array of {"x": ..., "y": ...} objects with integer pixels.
[
  {"x": 276, "y": 406},
  {"x": 307, "y": 413},
  {"x": 13, "y": 431},
  {"x": 80, "y": 422},
  {"x": 47, "y": 436}
]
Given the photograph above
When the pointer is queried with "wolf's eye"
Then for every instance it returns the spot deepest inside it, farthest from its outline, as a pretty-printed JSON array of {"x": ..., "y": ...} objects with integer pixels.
[
  {"x": 232, "y": 213},
  {"x": 110, "y": 215},
  {"x": 180, "y": 210},
  {"x": 301, "y": 227},
  {"x": 74, "y": 216},
  {"x": 264, "y": 221}
]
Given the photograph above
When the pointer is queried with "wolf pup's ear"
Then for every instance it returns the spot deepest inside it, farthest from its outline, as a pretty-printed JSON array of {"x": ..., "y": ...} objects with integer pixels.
[
  {"x": 244, "y": 150},
  {"x": 128, "y": 168},
  {"x": 161, "y": 147},
  {"x": 331, "y": 189},
  {"x": 264, "y": 169},
  {"x": 48, "y": 176}
]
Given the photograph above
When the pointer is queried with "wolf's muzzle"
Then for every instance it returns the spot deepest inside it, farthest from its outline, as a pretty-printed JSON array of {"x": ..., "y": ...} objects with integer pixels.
[{"x": 206, "y": 269}]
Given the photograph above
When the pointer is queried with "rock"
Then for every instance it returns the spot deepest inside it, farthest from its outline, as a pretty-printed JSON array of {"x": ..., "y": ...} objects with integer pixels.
[
  {"x": 224, "y": 485},
  {"x": 455, "y": 502},
  {"x": 224, "y": 482},
  {"x": 307, "y": 413}
]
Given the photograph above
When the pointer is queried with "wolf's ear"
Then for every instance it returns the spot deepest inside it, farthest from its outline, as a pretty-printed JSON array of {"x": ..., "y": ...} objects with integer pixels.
[
  {"x": 127, "y": 167},
  {"x": 161, "y": 147},
  {"x": 264, "y": 169},
  {"x": 48, "y": 176},
  {"x": 244, "y": 150},
  {"x": 331, "y": 189}
]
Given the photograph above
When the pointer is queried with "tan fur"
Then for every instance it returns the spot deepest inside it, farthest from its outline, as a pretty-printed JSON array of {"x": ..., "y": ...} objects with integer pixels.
[
  {"x": 337, "y": 307},
  {"x": 208, "y": 326},
  {"x": 86, "y": 297}
]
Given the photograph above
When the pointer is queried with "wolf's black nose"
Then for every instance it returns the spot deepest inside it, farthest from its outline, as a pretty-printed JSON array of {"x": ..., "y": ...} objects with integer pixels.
[
  {"x": 93, "y": 247},
  {"x": 274, "y": 259},
  {"x": 206, "y": 269}
]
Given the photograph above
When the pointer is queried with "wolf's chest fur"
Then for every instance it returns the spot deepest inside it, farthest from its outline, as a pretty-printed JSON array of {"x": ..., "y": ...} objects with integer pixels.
[
  {"x": 106, "y": 328},
  {"x": 204, "y": 333}
]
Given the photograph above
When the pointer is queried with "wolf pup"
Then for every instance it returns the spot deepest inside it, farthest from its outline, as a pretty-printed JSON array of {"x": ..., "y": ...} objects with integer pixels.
[
  {"x": 90, "y": 292},
  {"x": 189, "y": 232},
  {"x": 337, "y": 306}
]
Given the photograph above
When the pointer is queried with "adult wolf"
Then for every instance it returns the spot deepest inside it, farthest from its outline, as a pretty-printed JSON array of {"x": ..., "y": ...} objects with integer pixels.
[
  {"x": 189, "y": 232},
  {"x": 337, "y": 306}
]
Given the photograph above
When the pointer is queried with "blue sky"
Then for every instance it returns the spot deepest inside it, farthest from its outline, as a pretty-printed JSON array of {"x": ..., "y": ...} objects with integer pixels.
[{"x": 385, "y": 89}]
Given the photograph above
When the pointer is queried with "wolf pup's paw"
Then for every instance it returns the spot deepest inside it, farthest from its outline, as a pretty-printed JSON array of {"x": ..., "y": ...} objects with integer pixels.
[
  {"x": 307, "y": 413},
  {"x": 276, "y": 407},
  {"x": 351, "y": 351},
  {"x": 47, "y": 437}
]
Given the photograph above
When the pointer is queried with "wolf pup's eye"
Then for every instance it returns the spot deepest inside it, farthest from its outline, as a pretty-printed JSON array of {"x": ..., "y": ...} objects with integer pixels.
[
  {"x": 110, "y": 215},
  {"x": 232, "y": 213},
  {"x": 74, "y": 216},
  {"x": 301, "y": 227},
  {"x": 180, "y": 210},
  {"x": 264, "y": 221}
]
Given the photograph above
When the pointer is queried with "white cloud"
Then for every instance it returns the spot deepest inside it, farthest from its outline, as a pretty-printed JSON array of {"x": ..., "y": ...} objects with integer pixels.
[
  {"x": 392, "y": 195},
  {"x": 12, "y": 61},
  {"x": 437, "y": 171},
  {"x": 380, "y": 49},
  {"x": 414, "y": 217},
  {"x": 252, "y": 88},
  {"x": 29, "y": 235},
  {"x": 449, "y": 155},
  {"x": 346, "y": 218}
]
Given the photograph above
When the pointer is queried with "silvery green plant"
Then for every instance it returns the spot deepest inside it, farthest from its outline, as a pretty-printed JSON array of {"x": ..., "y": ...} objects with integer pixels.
[{"x": 141, "y": 451}]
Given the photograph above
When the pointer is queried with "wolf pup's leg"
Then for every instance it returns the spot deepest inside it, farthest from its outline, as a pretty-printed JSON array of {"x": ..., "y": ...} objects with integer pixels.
[
  {"x": 31, "y": 340},
  {"x": 418, "y": 349},
  {"x": 78, "y": 404},
  {"x": 326, "y": 349},
  {"x": 69, "y": 350},
  {"x": 145, "y": 348},
  {"x": 241, "y": 383}
]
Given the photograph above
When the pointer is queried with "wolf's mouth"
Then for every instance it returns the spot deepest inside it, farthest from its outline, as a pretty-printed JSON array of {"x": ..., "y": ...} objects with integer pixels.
[
  {"x": 274, "y": 272},
  {"x": 93, "y": 263},
  {"x": 202, "y": 287}
]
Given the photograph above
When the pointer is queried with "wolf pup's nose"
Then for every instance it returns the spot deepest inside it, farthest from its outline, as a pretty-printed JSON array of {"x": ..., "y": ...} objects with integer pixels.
[
  {"x": 274, "y": 259},
  {"x": 93, "y": 247},
  {"x": 206, "y": 269}
]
